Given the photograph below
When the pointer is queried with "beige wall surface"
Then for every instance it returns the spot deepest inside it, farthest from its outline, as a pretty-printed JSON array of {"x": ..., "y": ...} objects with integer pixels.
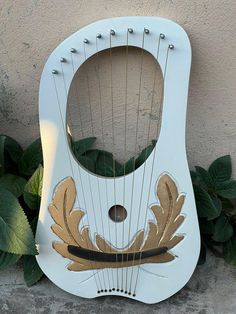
[{"x": 31, "y": 29}]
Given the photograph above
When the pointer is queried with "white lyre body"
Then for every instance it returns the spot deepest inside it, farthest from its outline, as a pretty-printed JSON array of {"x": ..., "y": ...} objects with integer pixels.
[{"x": 155, "y": 281}]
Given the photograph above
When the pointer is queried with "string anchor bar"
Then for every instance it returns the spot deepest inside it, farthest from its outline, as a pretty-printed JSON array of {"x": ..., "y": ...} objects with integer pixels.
[{"x": 114, "y": 257}]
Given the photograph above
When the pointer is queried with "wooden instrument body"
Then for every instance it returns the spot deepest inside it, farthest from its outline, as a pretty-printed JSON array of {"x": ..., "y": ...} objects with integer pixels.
[{"x": 156, "y": 281}]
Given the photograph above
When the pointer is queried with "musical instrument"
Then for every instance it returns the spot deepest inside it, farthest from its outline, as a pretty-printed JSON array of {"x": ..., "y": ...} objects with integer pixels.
[{"x": 133, "y": 234}]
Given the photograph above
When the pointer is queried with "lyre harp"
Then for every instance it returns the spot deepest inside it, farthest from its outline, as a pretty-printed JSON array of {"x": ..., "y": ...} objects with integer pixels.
[{"x": 152, "y": 251}]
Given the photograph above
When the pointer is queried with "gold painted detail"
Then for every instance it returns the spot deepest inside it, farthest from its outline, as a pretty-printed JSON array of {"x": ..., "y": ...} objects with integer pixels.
[{"x": 159, "y": 234}]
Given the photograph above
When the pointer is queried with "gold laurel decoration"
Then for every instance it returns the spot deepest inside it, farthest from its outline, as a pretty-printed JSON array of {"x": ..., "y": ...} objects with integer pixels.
[{"x": 159, "y": 234}]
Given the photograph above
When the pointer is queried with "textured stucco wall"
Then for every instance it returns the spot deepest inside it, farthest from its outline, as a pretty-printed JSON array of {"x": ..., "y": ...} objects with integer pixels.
[{"x": 30, "y": 29}]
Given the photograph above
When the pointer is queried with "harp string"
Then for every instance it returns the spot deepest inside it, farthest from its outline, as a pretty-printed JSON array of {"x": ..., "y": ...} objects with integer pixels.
[
  {"x": 97, "y": 281},
  {"x": 125, "y": 149},
  {"x": 135, "y": 148},
  {"x": 125, "y": 144},
  {"x": 76, "y": 96},
  {"x": 78, "y": 170},
  {"x": 98, "y": 185},
  {"x": 154, "y": 154},
  {"x": 103, "y": 146},
  {"x": 113, "y": 144},
  {"x": 145, "y": 159}
]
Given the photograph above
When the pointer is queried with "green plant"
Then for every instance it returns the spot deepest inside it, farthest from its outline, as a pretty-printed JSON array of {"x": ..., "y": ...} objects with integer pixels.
[
  {"x": 214, "y": 193},
  {"x": 20, "y": 187},
  {"x": 21, "y": 174}
]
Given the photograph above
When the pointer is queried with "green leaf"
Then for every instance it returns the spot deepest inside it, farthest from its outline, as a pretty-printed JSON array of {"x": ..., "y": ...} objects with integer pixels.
[
  {"x": 229, "y": 209},
  {"x": 92, "y": 154},
  {"x": 81, "y": 146},
  {"x": 106, "y": 165},
  {"x": 226, "y": 189},
  {"x": 11, "y": 146},
  {"x": 10, "y": 153},
  {"x": 221, "y": 169},
  {"x": 13, "y": 183},
  {"x": 226, "y": 204},
  {"x": 202, "y": 256},
  {"x": 32, "y": 271},
  {"x": 104, "y": 154},
  {"x": 217, "y": 202},
  {"x": 206, "y": 226},
  {"x": 128, "y": 167},
  {"x": 205, "y": 204},
  {"x": 87, "y": 163},
  {"x": 154, "y": 142},
  {"x": 143, "y": 156},
  {"x": 33, "y": 224},
  {"x": 205, "y": 177},
  {"x": 31, "y": 158},
  {"x": 15, "y": 233},
  {"x": 230, "y": 252},
  {"x": 194, "y": 176},
  {"x": 8, "y": 259},
  {"x": 223, "y": 229},
  {"x": 33, "y": 189},
  {"x": 215, "y": 247}
]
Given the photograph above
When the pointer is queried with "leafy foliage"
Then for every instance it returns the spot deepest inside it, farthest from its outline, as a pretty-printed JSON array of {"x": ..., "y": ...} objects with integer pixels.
[
  {"x": 220, "y": 170},
  {"x": 32, "y": 271},
  {"x": 21, "y": 175},
  {"x": 214, "y": 193},
  {"x": 81, "y": 146},
  {"x": 102, "y": 162},
  {"x": 13, "y": 184},
  {"x": 10, "y": 154},
  {"x": 31, "y": 158},
  {"x": 205, "y": 204},
  {"x": 8, "y": 259},
  {"x": 229, "y": 252},
  {"x": 15, "y": 233},
  {"x": 19, "y": 203},
  {"x": 33, "y": 189}
]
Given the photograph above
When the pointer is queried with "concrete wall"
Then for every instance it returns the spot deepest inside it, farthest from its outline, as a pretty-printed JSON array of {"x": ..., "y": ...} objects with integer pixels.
[{"x": 30, "y": 29}]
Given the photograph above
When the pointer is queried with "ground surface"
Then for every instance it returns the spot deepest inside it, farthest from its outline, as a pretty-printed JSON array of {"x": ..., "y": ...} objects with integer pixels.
[{"x": 212, "y": 289}]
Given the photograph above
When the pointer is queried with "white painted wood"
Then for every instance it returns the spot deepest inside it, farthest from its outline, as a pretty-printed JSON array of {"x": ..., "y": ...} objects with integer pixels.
[{"x": 156, "y": 282}]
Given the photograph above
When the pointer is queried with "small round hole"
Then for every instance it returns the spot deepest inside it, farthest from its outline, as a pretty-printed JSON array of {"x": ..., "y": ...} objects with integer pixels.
[{"x": 117, "y": 213}]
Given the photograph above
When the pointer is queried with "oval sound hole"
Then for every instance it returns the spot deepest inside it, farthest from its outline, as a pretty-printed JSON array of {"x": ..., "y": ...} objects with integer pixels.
[{"x": 117, "y": 213}]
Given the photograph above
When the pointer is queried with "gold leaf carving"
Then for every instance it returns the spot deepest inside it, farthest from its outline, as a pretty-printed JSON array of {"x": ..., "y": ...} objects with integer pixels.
[{"x": 159, "y": 234}]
